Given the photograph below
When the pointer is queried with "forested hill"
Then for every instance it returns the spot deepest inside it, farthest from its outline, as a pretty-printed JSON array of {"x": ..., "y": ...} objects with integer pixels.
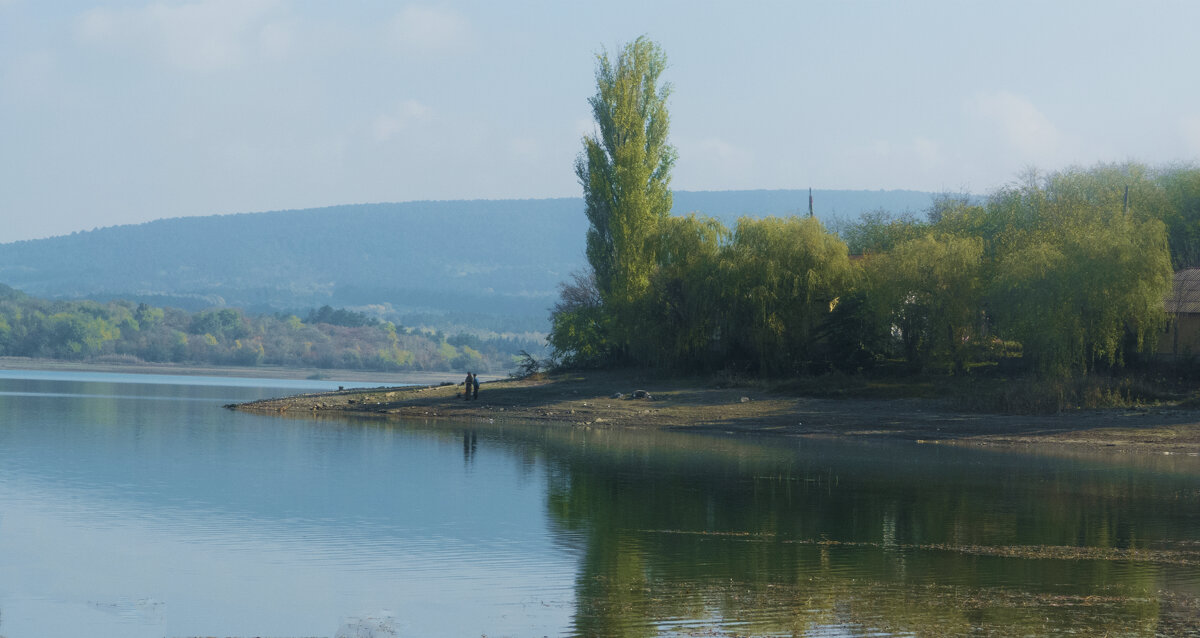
[{"x": 486, "y": 256}]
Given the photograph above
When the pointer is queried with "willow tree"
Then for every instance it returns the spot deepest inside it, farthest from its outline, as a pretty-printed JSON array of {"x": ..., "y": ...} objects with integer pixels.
[
  {"x": 1181, "y": 185},
  {"x": 931, "y": 289},
  {"x": 625, "y": 171},
  {"x": 780, "y": 278},
  {"x": 1080, "y": 275},
  {"x": 683, "y": 305}
]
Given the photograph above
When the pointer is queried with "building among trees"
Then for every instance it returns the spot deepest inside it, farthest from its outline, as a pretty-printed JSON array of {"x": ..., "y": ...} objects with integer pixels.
[{"x": 1181, "y": 336}]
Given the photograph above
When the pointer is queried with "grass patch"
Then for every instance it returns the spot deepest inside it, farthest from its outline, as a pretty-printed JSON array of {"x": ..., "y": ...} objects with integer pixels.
[{"x": 1040, "y": 395}]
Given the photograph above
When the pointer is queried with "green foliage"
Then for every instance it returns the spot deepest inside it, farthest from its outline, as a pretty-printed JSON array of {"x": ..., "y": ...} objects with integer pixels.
[
  {"x": 248, "y": 353},
  {"x": 1061, "y": 272},
  {"x": 5, "y": 334},
  {"x": 855, "y": 335},
  {"x": 469, "y": 360},
  {"x": 149, "y": 316},
  {"x": 227, "y": 323},
  {"x": 74, "y": 336},
  {"x": 683, "y": 313},
  {"x": 579, "y": 331},
  {"x": 527, "y": 366},
  {"x": 447, "y": 351},
  {"x": 393, "y": 358},
  {"x": 931, "y": 290},
  {"x": 80, "y": 330},
  {"x": 340, "y": 317},
  {"x": 464, "y": 339},
  {"x": 625, "y": 171},
  {"x": 1061, "y": 264},
  {"x": 8, "y": 293},
  {"x": 1075, "y": 299},
  {"x": 752, "y": 298},
  {"x": 1077, "y": 273},
  {"x": 960, "y": 217},
  {"x": 1069, "y": 269},
  {"x": 781, "y": 279},
  {"x": 1180, "y": 187},
  {"x": 878, "y": 231}
]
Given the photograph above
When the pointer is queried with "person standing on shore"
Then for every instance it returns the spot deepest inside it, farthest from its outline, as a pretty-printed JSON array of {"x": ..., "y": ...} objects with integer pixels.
[
  {"x": 475, "y": 381},
  {"x": 468, "y": 385}
]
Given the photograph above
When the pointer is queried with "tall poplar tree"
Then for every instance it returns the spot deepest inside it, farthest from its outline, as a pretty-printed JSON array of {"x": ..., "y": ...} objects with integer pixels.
[{"x": 625, "y": 171}]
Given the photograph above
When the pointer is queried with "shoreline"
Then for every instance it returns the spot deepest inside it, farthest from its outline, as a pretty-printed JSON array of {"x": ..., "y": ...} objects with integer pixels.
[
  {"x": 331, "y": 375},
  {"x": 587, "y": 399}
]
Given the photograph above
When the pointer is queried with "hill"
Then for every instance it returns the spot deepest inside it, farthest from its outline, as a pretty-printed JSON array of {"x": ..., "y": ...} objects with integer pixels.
[{"x": 484, "y": 258}]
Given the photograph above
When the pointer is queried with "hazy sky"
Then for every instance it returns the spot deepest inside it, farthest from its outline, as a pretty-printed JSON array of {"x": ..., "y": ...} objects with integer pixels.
[{"x": 122, "y": 112}]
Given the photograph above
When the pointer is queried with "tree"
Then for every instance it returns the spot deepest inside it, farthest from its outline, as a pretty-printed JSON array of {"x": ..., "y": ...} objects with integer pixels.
[
  {"x": 878, "y": 231},
  {"x": 932, "y": 289},
  {"x": 227, "y": 323},
  {"x": 1077, "y": 301},
  {"x": 578, "y": 332},
  {"x": 781, "y": 279},
  {"x": 683, "y": 311},
  {"x": 625, "y": 171},
  {"x": 1181, "y": 186},
  {"x": 1081, "y": 272}
]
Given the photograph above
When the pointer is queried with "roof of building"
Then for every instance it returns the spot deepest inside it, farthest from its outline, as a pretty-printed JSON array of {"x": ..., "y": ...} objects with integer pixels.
[{"x": 1185, "y": 293}]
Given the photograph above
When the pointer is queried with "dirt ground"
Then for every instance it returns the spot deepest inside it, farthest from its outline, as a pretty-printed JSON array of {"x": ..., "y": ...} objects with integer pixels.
[{"x": 589, "y": 400}]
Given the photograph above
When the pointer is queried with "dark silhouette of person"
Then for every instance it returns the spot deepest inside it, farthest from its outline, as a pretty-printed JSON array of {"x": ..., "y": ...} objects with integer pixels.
[
  {"x": 469, "y": 445},
  {"x": 475, "y": 381},
  {"x": 467, "y": 386}
]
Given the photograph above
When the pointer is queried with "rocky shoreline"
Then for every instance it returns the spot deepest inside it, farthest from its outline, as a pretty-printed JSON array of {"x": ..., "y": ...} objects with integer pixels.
[{"x": 606, "y": 400}]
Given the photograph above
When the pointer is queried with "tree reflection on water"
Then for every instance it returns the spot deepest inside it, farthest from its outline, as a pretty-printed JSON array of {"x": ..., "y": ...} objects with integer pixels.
[{"x": 700, "y": 534}]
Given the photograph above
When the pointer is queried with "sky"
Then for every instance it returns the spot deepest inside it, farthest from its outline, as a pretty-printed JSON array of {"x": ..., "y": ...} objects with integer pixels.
[{"x": 122, "y": 112}]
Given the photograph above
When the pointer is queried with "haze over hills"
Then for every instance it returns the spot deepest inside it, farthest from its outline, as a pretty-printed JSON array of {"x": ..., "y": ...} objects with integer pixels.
[{"x": 487, "y": 257}]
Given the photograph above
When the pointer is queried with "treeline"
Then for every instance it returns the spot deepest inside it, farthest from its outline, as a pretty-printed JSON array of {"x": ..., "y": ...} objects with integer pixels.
[
  {"x": 326, "y": 338},
  {"x": 1062, "y": 273}
]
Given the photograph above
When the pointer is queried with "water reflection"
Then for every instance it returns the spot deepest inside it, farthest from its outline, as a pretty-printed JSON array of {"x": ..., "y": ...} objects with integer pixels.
[
  {"x": 470, "y": 445},
  {"x": 285, "y": 526},
  {"x": 769, "y": 541},
  {"x": 686, "y": 534}
]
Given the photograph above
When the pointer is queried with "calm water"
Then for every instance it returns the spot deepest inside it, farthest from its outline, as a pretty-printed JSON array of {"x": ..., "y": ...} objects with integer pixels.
[{"x": 137, "y": 506}]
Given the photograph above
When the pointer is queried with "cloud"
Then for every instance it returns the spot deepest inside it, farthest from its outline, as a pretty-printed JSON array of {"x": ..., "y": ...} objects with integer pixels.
[
  {"x": 1021, "y": 125},
  {"x": 419, "y": 28},
  {"x": 723, "y": 154},
  {"x": 409, "y": 113},
  {"x": 203, "y": 36}
]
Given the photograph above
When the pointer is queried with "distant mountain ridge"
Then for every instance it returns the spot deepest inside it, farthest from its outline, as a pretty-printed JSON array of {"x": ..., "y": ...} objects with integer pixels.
[{"x": 480, "y": 256}]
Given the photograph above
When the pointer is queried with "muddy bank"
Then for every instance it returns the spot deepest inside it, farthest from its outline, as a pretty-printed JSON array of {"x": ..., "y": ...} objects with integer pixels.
[{"x": 591, "y": 400}]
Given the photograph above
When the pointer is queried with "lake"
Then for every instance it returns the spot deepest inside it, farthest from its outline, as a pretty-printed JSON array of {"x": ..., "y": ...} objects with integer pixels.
[{"x": 134, "y": 505}]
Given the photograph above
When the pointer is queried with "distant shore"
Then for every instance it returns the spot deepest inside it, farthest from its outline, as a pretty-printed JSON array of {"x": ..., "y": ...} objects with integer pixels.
[
  {"x": 590, "y": 400},
  {"x": 248, "y": 372}
]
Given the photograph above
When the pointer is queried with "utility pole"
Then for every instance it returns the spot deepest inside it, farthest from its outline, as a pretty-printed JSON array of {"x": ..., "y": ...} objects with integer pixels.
[{"x": 810, "y": 212}]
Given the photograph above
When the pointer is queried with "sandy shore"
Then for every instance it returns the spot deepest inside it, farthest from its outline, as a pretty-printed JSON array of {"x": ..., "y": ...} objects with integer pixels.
[{"x": 587, "y": 400}]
